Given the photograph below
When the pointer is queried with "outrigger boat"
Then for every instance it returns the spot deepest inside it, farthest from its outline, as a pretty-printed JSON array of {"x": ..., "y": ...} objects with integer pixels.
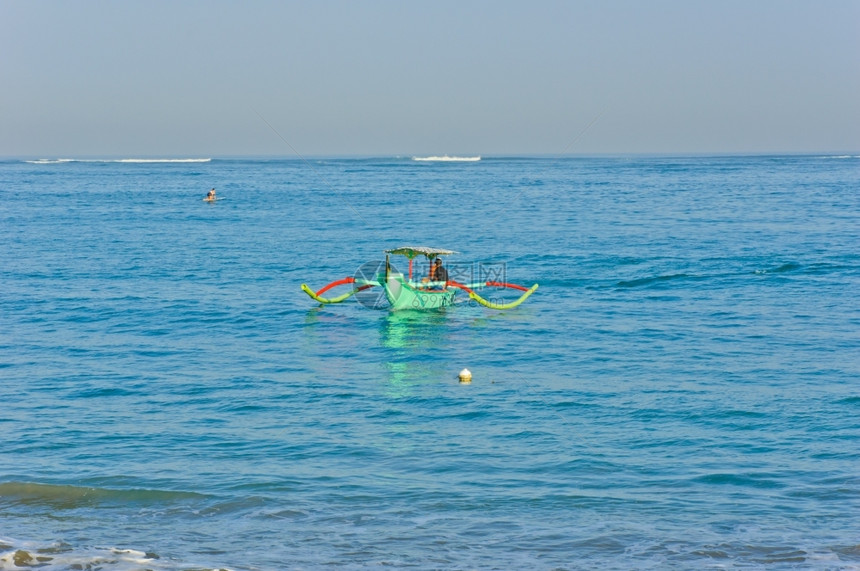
[{"x": 403, "y": 292}]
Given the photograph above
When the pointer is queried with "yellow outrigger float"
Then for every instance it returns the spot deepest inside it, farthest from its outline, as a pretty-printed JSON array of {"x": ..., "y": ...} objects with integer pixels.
[{"x": 403, "y": 292}]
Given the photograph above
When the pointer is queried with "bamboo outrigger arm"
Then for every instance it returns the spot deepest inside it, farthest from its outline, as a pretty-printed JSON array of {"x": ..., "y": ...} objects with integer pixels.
[
  {"x": 490, "y": 304},
  {"x": 318, "y": 295},
  {"x": 514, "y": 303}
]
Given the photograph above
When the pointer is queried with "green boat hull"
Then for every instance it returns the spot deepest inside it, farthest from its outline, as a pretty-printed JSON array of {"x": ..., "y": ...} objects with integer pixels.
[{"x": 402, "y": 295}]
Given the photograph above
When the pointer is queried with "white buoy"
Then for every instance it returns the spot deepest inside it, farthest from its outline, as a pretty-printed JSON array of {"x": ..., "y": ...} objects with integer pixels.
[{"x": 465, "y": 376}]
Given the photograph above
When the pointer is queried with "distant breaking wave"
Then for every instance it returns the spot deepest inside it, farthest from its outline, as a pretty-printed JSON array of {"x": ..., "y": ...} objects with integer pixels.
[
  {"x": 446, "y": 158},
  {"x": 62, "y": 161}
]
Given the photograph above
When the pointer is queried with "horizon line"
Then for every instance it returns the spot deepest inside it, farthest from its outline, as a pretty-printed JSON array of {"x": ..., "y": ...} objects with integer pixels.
[{"x": 150, "y": 158}]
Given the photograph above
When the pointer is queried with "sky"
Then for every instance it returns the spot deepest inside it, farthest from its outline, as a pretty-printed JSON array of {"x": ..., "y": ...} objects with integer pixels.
[{"x": 397, "y": 78}]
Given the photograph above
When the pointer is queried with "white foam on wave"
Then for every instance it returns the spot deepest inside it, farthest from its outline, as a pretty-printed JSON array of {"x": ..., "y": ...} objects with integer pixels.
[
  {"x": 161, "y": 160},
  {"x": 446, "y": 158},
  {"x": 61, "y": 556},
  {"x": 62, "y": 161}
]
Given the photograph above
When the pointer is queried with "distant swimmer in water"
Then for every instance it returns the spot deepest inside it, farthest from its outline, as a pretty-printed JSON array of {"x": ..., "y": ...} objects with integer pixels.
[{"x": 210, "y": 196}]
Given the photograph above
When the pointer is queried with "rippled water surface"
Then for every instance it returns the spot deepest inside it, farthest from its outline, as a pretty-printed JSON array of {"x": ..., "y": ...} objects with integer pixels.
[{"x": 682, "y": 391}]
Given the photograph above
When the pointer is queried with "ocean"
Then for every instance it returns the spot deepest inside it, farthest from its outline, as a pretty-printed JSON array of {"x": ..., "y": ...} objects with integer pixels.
[{"x": 681, "y": 392}]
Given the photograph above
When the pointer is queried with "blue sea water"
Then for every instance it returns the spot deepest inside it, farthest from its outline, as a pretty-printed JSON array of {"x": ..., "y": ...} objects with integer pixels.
[{"x": 681, "y": 392}]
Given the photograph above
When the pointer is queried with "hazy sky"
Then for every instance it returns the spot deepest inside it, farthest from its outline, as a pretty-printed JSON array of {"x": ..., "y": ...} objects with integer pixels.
[{"x": 153, "y": 78}]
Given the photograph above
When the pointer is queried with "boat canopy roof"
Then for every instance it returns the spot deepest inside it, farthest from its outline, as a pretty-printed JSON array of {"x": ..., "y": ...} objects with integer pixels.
[{"x": 414, "y": 251}]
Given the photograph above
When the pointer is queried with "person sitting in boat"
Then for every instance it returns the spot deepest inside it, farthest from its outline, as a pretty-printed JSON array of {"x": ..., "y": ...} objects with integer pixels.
[
  {"x": 439, "y": 274},
  {"x": 211, "y": 195}
]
